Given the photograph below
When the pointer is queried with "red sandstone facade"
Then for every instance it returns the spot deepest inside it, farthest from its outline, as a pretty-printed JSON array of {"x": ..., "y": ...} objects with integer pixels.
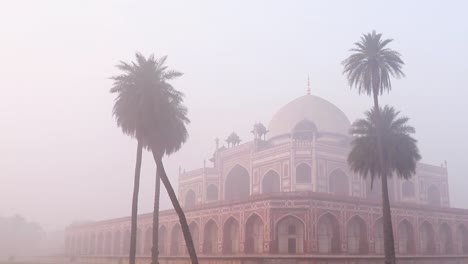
[{"x": 291, "y": 194}]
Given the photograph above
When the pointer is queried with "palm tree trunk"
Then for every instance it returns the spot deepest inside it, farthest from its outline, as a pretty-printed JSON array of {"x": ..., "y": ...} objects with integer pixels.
[
  {"x": 155, "y": 248},
  {"x": 136, "y": 189},
  {"x": 177, "y": 208},
  {"x": 389, "y": 243}
]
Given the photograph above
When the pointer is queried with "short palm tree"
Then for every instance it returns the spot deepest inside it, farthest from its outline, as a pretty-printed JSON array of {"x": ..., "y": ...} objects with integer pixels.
[
  {"x": 400, "y": 152},
  {"x": 369, "y": 69},
  {"x": 152, "y": 111}
]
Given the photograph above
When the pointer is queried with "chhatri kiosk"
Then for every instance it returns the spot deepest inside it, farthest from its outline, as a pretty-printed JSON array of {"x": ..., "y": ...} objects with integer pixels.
[{"x": 291, "y": 193}]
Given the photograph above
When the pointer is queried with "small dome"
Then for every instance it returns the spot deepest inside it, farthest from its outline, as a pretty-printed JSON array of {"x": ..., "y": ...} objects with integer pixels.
[{"x": 326, "y": 117}]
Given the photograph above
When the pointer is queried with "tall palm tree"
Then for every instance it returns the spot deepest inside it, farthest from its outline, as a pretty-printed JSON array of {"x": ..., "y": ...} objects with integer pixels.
[
  {"x": 400, "y": 152},
  {"x": 369, "y": 69},
  {"x": 152, "y": 111}
]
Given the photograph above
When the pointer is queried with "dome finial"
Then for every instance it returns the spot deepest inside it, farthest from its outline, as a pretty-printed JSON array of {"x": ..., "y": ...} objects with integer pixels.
[{"x": 308, "y": 85}]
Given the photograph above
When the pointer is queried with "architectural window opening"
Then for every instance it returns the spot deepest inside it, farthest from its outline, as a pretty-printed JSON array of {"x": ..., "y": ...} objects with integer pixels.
[
  {"x": 407, "y": 189},
  {"x": 378, "y": 237},
  {"x": 237, "y": 183},
  {"x": 92, "y": 244},
  {"x": 210, "y": 236},
  {"x": 231, "y": 236},
  {"x": 290, "y": 239},
  {"x": 357, "y": 236},
  {"x": 162, "y": 240},
  {"x": 176, "y": 240},
  {"x": 338, "y": 183},
  {"x": 303, "y": 173},
  {"x": 99, "y": 250},
  {"x": 445, "y": 239},
  {"x": 108, "y": 244},
  {"x": 405, "y": 238},
  {"x": 254, "y": 235},
  {"x": 195, "y": 235},
  {"x": 148, "y": 241},
  {"x": 328, "y": 235},
  {"x": 271, "y": 182},
  {"x": 462, "y": 240},
  {"x": 190, "y": 199},
  {"x": 304, "y": 130},
  {"x": 426, "y": 239},
  {"x": 433, "y": 196},
  {"x": 212, "y": 193},
  {"x": 126, "y": 242}
]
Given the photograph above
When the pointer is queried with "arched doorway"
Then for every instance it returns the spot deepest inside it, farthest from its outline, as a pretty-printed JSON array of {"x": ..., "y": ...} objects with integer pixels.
[
  {"x": 338, "y": 183},
  {"x": 462, "y": 240},
  {"x": 405, "y": 238},
  {"x": 271, "y": 182},
  {"x": 378, "y": 237},
  {"x": 190, "y": 199},
  {"x": 303, "y": 174},
  {"x": 290, "y": 235},
  {"x": 407, "y": 189},
  {"x": 433, "y": 196},
  {"x": 237, "y": 183},
  {"x": 148, "y": 241},
  {"x": 162, "y": 241},
  {"x": 426, "y": 239},
  {"x": 176, "y": 235},
  {"x": 328, "y": 234},
  {"x": 195, "y": 235},
  {"x": 92, "y": 244},
  {"x": 254, "y": 235},
  {"x": 357, "y": 236},
  {"x": 126, "y": 242},
  {"x": 108, "y": 244},
  {"x": 99, "y": 245},
  {"x": 231, "y": 236},
  {"x": 445, "y": 239},
  {"x": 210, "y": 238},
  {"x": 212, "y": 193}
]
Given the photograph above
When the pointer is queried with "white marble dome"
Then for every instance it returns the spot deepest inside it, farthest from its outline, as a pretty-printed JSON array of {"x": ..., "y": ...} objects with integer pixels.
[{"x": 326, "y": 117}]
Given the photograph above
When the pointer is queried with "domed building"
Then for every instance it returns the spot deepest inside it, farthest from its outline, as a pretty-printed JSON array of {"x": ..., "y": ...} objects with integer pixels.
[{"x": 291, "y": 195}]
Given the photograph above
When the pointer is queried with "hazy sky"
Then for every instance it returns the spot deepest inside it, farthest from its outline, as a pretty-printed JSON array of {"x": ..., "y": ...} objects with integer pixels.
[{"x": 63, "y": 159}]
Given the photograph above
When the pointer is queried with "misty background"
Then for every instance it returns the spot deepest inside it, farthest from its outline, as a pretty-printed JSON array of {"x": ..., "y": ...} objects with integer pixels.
[{"x": 62, "y": 157}]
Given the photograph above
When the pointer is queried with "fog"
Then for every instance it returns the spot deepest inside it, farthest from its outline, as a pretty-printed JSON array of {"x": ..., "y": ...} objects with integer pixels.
[{"x": 62, "y": 157}]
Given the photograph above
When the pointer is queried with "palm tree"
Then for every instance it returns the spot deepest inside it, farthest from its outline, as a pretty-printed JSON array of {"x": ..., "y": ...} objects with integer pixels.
[
  {"x": 152, "y": 111},
  {"x": 369, "y": 70}
]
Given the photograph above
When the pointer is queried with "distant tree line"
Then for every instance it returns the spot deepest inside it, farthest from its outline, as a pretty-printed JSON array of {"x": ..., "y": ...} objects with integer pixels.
[{"x": 18, "y": 237}]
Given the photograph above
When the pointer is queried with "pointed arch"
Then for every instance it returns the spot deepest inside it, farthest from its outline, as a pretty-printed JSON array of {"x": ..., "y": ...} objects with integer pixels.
[
  {"x": 148, "y": 244},
  {"x": 210, "y": 237},
  {"x": 445, "y": 239},
  {"x": 433, "y": 196},
  {"x": 378, "y": 236},
  {"x": 357, "y": 236},
  {"x": 426, "y": 239},
  {"x": 406, "y": 243},
  {"x": 211, "y": 192},
  {"x": 190, "y": 199},
  {"x": 162, "y": 240},
  {"x": 254, "y": 231},
  {"x": 328, "y": 234},
  {"x": 194, "y": 231},
  {"x": 462, "y": 239},
  {"x": 231, "y": 236},
  {"x": 290, "y": 234},
  {"x": 271, "y": 182},
  {"x": 338, "y": 182},
  {"x": 176, "y": 235},
  {"x": 303, "y": 173},
  {"x": 407, "y": 189},
  {"x": 108, "y": 243},
  {"x": 237, "y": 183}
]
